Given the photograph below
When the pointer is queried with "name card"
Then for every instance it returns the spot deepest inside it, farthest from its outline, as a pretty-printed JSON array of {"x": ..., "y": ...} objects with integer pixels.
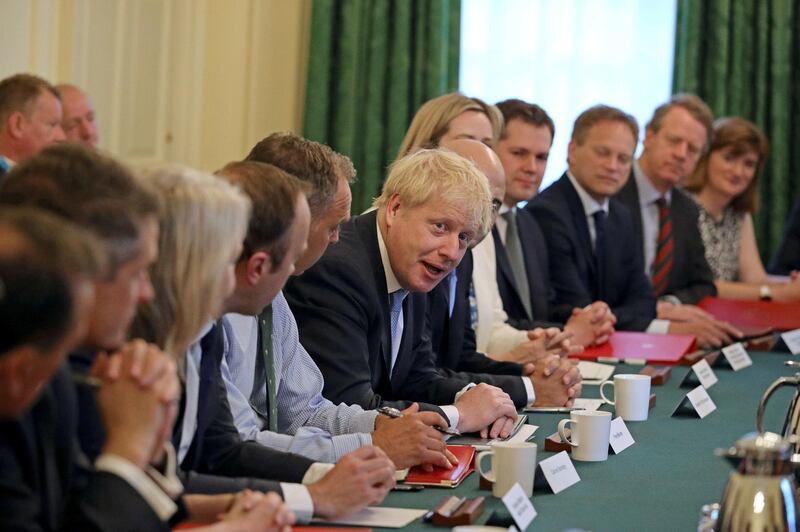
[
  {"x": 519, "y": 506},
  {"x": 620, "y": 437},
  {"x": 705, "y": 374},
  {"x": 559, "y": 471},
  {"x": 588, "y": 404},
  {"x": 792, "y": 339},
  {"x": 737, "y": 356},
  {"x": 701, "y": 401}
]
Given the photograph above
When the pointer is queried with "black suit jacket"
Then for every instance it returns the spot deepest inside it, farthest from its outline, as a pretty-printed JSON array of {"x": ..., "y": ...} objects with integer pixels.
[
  {"x": 534, "y": 252},
  {"x": 45, "y": 485},
  {"x": 787, "y": 256},
  {"x": 342, "y": 310},
  {"x": 453, "y": 339},
  {"x": 690, "y": 279},
  {"x": 624, "y": 286},
  {"x": 218, "y": 461}
]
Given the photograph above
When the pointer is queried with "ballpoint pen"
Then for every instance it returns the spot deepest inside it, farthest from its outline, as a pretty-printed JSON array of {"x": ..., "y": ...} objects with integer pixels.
[{"x": 395, "y": 413}]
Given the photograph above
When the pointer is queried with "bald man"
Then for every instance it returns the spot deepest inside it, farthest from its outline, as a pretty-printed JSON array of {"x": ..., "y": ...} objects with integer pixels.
[
  {"x": 78, "y": 120},
  {"x": 550, "y": 381}
]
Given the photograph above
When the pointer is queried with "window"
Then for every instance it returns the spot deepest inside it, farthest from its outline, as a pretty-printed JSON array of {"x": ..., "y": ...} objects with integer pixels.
[{"x": 567, "y": 55}]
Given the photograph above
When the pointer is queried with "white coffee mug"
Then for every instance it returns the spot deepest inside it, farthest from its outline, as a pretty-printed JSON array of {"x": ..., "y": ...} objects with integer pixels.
[
  {"x": 631, "y": 396},
  {"x": 591, "y": 430},
  {"x": 511, "y": 463}
]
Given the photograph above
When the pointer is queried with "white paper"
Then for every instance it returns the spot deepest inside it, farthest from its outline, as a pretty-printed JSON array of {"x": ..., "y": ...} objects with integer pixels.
[
  {"x": 594, "y": 373},
  {"x": 519, "y": 506},
  {"x": 705, "y": 374},
  {"x": 559, "y": 471},
  {"x": 524, "y": 434},
  {"x": 588, "y": 404},
  {"x": 377, "y": 516},
  {"x": 737, "y": 356},
  {"x": 792, "y": 339},
  {"x": 620, "y": 437},
  {"x": 701, "y": 401}
]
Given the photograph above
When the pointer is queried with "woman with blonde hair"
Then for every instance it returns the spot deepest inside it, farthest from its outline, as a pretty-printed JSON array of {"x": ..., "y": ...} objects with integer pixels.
[
  {"x": 201, "y": 231},
  {"x": 452, "y": 116},
  {"x": 725, "y": 187}
]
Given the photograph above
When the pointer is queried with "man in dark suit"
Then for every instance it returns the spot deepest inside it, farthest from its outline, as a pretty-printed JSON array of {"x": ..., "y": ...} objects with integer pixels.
[
  {"x": 30, "y": 118},
  {"x": 452, "y": 335},
  {"x": 524, "y": 147},
  {"x": 361, "y": 310},
  {"x": 47, "y": 268},
  {"x": 787, "y": 257},
  {"x": 590, "y": 240},
  {"x": 665, "y": 220}
]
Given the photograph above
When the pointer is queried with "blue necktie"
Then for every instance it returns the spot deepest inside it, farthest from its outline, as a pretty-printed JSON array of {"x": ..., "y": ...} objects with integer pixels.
[{"x": 396, "y": 321}]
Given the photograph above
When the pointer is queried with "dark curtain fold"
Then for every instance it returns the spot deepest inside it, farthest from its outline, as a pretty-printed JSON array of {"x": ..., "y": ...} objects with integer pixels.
[
  {"x": 742, "y": 57},
  {"x": 372, "y": 63}
]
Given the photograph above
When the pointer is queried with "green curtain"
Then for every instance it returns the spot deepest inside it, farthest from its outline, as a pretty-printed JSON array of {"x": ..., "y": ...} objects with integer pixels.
[
  {"x": 372, "y": 63},
  {"x": 743, "y": 58}
]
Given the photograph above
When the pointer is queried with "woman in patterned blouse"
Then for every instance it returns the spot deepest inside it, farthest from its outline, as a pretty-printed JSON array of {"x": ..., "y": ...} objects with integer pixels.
[{"x": 725, "y": 187}]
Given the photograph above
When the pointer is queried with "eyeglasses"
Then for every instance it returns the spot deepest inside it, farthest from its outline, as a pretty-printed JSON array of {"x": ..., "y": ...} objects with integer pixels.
[{"x": 496, "y": 204}]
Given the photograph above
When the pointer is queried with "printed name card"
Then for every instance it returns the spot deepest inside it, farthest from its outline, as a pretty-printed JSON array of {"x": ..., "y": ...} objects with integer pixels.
[
  {"x": 701, "y": 401},
  {"x": 559, "y": 471},
  {"x": 519, "y": 506},
  {"x": 737, "y": 356},
  {"x": 620, "y": 437},
  {"x": 705, "y": 374},
  {"x": 792, "y": 340}
]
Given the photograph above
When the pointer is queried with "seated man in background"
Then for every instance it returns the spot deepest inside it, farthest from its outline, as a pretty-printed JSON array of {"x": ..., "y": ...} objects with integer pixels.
[
  {"x": 30, "y": 118},
  {"x": 274, "y": 387},
  {"x": 370, "y": 340},
  {"x": 79, "y": 119},
  {"x": 665, "y": 220},
  {"x": 590, "y": 240},
  {"x": 547, "y": 380},
  {"x": 519, "y": 259}
]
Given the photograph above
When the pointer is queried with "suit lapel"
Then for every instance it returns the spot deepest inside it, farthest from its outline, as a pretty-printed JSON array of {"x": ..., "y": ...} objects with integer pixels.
[
  {"x": 578, "y": 215},
  {"x": 630, "y": 198}
]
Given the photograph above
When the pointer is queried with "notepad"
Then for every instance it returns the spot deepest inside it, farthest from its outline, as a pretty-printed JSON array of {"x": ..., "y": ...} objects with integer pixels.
[
  {"x": 445, "y": 478},
  {"x": 474, "y": 438},
  {"x": 377, "y": 516},
  {"x": 594, "y": 373}
]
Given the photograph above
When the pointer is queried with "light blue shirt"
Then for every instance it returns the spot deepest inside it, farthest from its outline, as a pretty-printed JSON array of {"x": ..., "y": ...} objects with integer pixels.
[
  {"x": 308, "y": 424},
  {"x": 590, "y": 206}
]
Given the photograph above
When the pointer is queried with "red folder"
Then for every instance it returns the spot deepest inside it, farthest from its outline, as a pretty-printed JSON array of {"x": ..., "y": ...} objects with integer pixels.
[
  {"x": 445, "y": 478},
  {"x": 754, "y": 314},
  {"x": 665, "y": 349}
]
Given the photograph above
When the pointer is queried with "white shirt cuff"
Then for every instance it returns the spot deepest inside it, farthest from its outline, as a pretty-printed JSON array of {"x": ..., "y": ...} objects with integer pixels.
[
  {"x": 658, "y": 327},
  {"x": 163, "y": 506},
  {"x": 529, "y": 390},
  {"x": 451, "y": 413},
  {"x": 316, "y": 472},
  {"x": 298, "y": 499}
]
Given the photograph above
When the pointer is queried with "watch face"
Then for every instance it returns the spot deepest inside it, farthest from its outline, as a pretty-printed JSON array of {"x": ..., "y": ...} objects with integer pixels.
[{"x": 390, "y": 411}]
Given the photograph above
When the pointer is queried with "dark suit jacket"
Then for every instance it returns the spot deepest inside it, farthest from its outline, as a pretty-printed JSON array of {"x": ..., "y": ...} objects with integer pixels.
[
  {"x": 342, "y": 311},
  {"x": 787, "y": 256},
  {"x": 534, "y": 252},
  {"x": 45, "y": 486},
  {"x": 624, "y": 286},
  {"x": 453, "y": 339},
  {"x": 690, "y": 279},
  {"x": 218, "y": 450}
]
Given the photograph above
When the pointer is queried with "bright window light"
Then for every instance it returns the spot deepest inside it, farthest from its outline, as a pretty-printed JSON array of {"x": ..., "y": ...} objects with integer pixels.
[{"x": 567, "y": 55}]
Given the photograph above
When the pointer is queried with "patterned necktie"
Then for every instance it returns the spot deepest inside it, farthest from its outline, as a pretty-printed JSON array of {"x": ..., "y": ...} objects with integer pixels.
[
  {"x": 265, "y": 324},
  {"x": 396, "y": 322},
  {"x": 517, "y": 261},
  {"x": 599, "y": 251},
  {"x": 662, "y": 264}
]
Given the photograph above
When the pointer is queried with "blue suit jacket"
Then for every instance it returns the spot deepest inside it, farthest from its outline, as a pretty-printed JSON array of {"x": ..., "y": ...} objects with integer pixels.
[
  {"x": 453, "y": 339},
  {"x": 624, "y": 285},
  {"x": 342, "y": 310}
]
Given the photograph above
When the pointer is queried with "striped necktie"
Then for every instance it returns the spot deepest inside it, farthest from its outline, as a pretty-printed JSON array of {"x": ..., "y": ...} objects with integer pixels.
[{"x": 662, "y": 264}]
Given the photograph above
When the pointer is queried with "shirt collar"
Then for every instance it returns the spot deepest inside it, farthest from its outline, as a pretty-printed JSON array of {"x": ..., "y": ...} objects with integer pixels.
[
  {"x": 392, "y": 284},
  {"x": 590, "y": 205},
  {"x": 505, "y": 208},
  {"x": 6, "y": 163},
  {"x": 648, "y": 194}
]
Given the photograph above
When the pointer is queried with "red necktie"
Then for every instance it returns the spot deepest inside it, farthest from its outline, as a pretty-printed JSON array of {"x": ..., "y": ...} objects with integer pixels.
[{"x": 662, "y": 264}]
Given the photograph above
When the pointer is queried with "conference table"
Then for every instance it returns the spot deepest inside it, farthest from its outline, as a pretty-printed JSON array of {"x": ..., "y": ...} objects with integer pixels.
[{"x": 663, "y": 480}]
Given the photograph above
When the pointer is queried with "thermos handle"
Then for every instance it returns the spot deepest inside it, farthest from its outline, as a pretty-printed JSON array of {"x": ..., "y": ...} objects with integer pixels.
[{"x": 783, "y": 381}]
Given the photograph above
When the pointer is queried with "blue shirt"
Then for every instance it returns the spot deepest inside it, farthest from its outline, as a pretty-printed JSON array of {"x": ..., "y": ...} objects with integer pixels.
[{"x": 308, "y": 424}]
